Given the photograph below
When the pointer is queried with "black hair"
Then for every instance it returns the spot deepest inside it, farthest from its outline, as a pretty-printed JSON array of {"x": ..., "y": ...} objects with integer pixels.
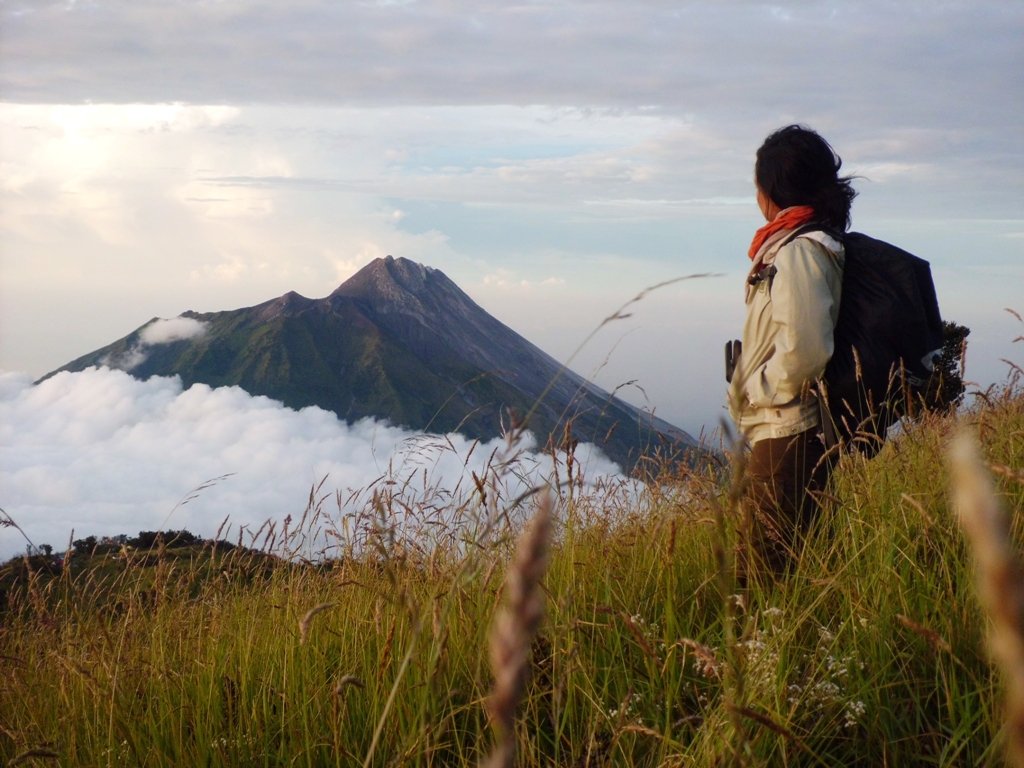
[{"x": 796, "y": 166}]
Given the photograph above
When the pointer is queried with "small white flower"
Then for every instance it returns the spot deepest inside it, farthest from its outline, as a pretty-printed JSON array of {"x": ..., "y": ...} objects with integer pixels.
[{"x": 853, "y": 713}]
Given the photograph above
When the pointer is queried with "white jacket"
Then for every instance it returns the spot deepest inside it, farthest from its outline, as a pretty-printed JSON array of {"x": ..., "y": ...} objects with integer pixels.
[{"x": 787, "y": 338}]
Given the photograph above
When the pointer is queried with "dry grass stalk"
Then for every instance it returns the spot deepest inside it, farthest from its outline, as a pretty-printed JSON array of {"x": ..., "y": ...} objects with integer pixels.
[
  {"x": 345, "y": 682},
  {"x": 638, "y": 635},
  {"x": 763, "y": 719},
  {"x": 933, "y": 638},
  {"x": 1008, "y": 472},
  {"x": 514, "y": 629},
  {"x": 708, "y": 663},
  {"x": 917, "y": 505},
  {"x": 308, "y": 619},
  {"x": 34, "y": 754},
  {"x": 1000, "y": 580}
]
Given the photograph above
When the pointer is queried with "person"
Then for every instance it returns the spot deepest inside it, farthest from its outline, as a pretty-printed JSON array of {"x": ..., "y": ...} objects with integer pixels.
[{"x": 792, "y": 301}]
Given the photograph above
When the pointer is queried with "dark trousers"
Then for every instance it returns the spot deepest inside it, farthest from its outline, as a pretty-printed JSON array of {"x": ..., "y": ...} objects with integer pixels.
[{"x": 785, "y": 477}]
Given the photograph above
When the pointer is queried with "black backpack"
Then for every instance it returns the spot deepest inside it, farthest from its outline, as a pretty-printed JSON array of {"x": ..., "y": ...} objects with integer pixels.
[{"x": 887, "y": 339}]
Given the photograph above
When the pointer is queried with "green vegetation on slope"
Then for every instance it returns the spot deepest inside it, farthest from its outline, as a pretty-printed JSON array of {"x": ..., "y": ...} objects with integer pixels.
[{"x": 871, "y": 653}]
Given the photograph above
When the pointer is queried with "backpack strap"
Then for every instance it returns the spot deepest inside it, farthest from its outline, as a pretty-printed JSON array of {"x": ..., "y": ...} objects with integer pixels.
[
  {"x": 815, "y": 227},
  {"x": 768, "y": 272}
]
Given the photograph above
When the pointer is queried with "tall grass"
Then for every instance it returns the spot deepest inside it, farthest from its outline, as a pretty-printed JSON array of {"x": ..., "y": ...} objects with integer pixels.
[{"x": 871, "y": 653}]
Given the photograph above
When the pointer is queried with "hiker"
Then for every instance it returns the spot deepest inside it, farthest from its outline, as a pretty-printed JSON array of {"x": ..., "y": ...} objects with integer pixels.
[{"x": 792, "y": 302}]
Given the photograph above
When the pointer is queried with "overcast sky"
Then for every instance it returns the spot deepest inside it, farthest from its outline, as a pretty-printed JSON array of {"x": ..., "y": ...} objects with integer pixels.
[{"x": 553, "y": 158}]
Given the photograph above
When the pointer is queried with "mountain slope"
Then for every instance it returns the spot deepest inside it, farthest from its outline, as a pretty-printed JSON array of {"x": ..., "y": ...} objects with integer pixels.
[{"x": 398, "y": 341}]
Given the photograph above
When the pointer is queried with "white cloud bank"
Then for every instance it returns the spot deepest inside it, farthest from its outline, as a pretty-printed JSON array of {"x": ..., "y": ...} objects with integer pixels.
[{"x": 103, "y": 453}]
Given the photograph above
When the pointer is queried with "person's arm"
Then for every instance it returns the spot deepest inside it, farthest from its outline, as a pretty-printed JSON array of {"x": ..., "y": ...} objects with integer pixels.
[{"x": 802, "y": 323}]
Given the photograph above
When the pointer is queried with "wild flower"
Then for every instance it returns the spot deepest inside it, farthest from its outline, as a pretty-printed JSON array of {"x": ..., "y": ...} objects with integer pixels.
[
  {"x": 627, "y": 710},
  {"x": 853, "y": 713},
  {"x": 820, "y": 687},
  {"x": 814, "y": 681},
  {"x": 118, "y": 754}
]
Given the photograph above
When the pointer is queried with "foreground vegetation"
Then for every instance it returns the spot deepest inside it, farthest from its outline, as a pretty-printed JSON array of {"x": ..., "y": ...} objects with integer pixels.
[{"x": 872, "y": 653}]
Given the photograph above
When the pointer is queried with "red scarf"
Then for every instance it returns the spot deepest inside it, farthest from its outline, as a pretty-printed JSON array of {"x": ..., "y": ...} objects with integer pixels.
[{"x": 789, "y": 218}]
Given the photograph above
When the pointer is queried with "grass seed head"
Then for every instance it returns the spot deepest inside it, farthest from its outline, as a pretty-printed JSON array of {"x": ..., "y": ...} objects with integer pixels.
[
  {"x": 1000, "y": 580},
  {"x": 514, "y": 629},
  {"x": 306, "y": 620}
]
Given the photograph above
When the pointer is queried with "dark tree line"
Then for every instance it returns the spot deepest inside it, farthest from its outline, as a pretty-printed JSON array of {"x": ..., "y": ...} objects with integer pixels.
[{"x": 145, "y": 540}]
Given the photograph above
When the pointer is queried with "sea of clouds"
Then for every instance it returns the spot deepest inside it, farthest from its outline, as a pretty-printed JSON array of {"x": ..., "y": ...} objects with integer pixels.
[{"x": 101, "y": 453}]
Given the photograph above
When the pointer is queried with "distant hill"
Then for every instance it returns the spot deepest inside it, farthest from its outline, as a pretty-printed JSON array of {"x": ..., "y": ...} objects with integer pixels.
[{"x": 397, "y": 341}]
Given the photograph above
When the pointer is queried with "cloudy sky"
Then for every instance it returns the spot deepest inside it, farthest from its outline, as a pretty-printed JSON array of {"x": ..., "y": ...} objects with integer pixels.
[{"x": 553, "y": 158}]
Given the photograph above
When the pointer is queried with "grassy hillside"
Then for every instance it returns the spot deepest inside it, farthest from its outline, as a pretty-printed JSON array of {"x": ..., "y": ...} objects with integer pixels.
[{"x": 872, "y": 653}]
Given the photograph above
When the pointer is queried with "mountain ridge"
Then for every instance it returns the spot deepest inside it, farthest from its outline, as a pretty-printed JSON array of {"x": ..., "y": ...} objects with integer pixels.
[{"x": 398, "y": 341}]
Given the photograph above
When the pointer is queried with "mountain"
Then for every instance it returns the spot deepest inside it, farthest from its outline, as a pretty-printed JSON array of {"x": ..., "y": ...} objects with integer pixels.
[{"x": 397, "y": 341}]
